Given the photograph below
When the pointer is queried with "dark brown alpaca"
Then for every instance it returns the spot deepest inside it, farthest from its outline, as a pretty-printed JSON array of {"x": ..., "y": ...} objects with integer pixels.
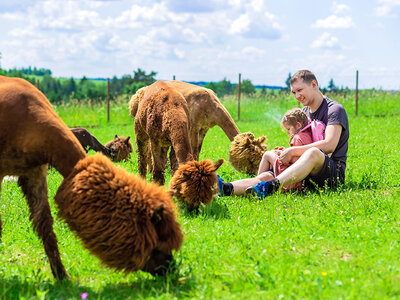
[
  {"x": 195, "y": 183},
  {"x": 120, "y": 148},
  {"x": 113, "y": 205},
  {"x": 89, "y": 141},
  {"x": 245, "y": 152}
]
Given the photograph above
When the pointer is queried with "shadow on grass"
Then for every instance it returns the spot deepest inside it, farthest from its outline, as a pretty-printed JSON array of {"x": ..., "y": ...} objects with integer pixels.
[
  {"x": 37, "y": 287},
  {"x": 213, "y": 210}
]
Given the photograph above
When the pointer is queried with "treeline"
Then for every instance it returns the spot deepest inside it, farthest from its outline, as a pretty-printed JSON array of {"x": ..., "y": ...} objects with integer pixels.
[{"x": 59, "y": 90}]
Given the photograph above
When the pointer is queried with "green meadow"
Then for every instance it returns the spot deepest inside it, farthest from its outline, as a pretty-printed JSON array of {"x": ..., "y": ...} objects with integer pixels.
[{"x": 324, "y": 244}]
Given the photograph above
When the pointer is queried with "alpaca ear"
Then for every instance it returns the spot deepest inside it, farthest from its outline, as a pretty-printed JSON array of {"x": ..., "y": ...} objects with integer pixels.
[
  {"x": 261, "y": 139},
  {"x": 127, "y": 140},
  {"x": 218, "y": 163},
  {"x": 116, "y": 136},
  {"x": 157, "y": 215},
  {"x": 246, "y": 141}
]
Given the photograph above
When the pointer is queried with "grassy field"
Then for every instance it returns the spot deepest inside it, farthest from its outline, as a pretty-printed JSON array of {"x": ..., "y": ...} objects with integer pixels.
[{"x": 322, "y": 244}]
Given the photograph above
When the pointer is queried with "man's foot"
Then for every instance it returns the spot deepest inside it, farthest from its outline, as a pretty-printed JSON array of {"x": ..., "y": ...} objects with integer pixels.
[
  {"x": 263, "y": 188},
  {"x": 220, "y": 186}
]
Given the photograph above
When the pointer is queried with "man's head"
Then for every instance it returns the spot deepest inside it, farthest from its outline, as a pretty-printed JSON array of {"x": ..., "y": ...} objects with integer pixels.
[{"x": 304, "y": 86}]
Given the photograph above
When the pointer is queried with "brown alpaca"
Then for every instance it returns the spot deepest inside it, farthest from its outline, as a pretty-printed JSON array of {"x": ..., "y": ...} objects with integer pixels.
[
  {"x": 113, "y": 205},
  {"x": 120, "y": 148},
  {"x": 245, "y": 152},
  {"x": 195, "y": 183},
  {"x": 137, "y": 220},
  {"x": 205, "y": 111},
  {"x": 89, "y": 141},
  {"x": 161, "y": 122}
]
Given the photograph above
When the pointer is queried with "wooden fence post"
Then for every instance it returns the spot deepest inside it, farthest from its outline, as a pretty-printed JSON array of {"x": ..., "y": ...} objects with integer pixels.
[
  {"x": 38, "y": 84},
  {"x": 108, "y": 100},
  {"x": 357, "y": 93},
  {"x": 239, "y": 90},
  {"x": 173, "y": 77}
]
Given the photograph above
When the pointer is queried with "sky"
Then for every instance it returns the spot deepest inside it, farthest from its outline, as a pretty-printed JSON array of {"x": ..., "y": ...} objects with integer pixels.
[{"x": 207, "y": 40}]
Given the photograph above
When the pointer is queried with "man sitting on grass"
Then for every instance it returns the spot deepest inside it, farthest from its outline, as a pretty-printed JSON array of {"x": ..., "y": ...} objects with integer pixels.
[{"x": 321, "y": 163}]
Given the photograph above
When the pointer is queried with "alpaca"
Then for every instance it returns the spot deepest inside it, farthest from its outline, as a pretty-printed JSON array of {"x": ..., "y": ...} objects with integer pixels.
[
  {"x": 245, "y": 152},
  {"x": 195, "y": 183},
  {"x": 161, "y": 122},
  {"x": 128, "y": 224},
  {"x": 89, "y": 141},
  {"x": 205, "y": 111},
  {"x": 120, "y": 148}
]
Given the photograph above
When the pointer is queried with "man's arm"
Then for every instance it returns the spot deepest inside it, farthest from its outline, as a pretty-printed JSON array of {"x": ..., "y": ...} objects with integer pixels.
[{"x": 328, "y": 145}]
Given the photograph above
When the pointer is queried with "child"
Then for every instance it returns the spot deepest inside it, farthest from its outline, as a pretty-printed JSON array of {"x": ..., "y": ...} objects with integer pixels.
[{"x": 294, "y": 122}]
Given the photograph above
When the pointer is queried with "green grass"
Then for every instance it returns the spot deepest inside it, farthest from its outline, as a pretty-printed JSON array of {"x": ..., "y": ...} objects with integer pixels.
[{"x": 322, "y": 244}]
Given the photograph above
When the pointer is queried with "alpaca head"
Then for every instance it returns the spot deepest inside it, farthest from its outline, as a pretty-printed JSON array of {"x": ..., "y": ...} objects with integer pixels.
[
  {"x": 120, "y": 148},
  {"x": 195, "y": 182},
  {"x": 246, "y": 152},
  {"x": 127, "y": 223}
]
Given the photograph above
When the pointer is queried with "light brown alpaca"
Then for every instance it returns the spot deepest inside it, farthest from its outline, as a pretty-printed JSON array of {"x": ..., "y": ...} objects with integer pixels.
[
  {"x": 120, "y": 148},
  {"x": 245, "y": 152},
  {"x": 127, "y": 223},
  {"x": 192, "y": 181},
  {"x": 205, "y": 111}
]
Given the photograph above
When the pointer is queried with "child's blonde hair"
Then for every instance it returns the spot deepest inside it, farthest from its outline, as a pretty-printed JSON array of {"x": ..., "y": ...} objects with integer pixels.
[{"x": 294, "y": 115}]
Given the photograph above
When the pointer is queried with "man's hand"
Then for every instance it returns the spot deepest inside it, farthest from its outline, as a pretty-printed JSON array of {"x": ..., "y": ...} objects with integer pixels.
[{"x": 287, "y": 155}]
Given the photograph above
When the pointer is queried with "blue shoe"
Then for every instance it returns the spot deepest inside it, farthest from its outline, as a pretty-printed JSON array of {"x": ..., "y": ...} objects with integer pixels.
[
  {"x": 261, "y": 189},
  {"x": 220, "y": 186}
]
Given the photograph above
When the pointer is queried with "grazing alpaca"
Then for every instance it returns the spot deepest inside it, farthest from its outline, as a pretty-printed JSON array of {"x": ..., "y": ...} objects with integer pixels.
[
  {"x": 89, "y": 141},
  {"x": 195, "y": 183},
  {"x": 205, "y": 111},
  {"x": 120, "y": 148},
  {"x": 245, "y": 152},
  {"x": 127, "y": 223}
]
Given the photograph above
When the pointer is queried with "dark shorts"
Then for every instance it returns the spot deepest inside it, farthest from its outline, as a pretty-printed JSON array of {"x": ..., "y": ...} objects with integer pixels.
[{"x": 331, "y": 175}]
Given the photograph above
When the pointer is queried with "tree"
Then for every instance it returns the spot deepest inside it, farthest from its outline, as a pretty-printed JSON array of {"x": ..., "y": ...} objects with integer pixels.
[
  {"x": 141, "y": 76},
  {"x": 287, "y": 82},
  {"x": 331, "y": 85},
  {"x": 247, "y": 87}
]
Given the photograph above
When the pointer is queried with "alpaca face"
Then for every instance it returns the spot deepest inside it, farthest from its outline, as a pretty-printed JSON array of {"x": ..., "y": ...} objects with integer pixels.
[
  {"x": 120, "y": 148},
  {"x": 158, "y": 263}
]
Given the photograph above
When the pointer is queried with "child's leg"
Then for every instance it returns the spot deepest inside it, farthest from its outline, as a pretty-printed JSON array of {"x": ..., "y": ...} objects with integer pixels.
[{"x": 267, "y": 162}]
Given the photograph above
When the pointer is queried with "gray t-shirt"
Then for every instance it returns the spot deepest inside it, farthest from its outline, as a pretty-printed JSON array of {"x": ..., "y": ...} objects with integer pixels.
[{"x": 330, "y": 112}]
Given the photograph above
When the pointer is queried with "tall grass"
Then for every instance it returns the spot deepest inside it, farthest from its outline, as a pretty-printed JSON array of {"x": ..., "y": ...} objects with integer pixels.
[{"x": 322, "y": 244}]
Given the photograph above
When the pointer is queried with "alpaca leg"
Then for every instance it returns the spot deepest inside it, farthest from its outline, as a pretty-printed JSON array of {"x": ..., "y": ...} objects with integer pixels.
[
  {"x": 142, "y": 150},
  {"x": 173, "y": 161},
  {"x": 197, "y": 150},
  {"x": 1, "y": 224},
  {"x": 34, "y": 186},
  {"x": 160, "y": 157}
]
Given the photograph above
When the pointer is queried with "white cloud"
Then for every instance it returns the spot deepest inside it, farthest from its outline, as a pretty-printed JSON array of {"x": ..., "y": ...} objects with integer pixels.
[
  {"x": 386, "y": 7},
  {"x": 338, "y": 8},
  {"x": 326, "y": 41},
  {"x": 334, "y": 22}
]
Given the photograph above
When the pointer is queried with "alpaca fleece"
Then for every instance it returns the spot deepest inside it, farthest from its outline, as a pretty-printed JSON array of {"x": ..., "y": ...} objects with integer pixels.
[
  {"x": 120, "y": 148},
  {"x": 195, "y": 183},
  {"x": 111, "y": 211},
  {"x": 245, "y": 152}
]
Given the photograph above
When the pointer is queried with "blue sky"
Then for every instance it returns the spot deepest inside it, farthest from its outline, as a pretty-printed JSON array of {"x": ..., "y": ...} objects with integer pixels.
[{"x": 207, "y": 40}]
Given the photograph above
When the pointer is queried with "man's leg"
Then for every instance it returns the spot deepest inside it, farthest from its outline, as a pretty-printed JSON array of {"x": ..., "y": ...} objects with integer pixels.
[
  {"x": 239, "y": 187},
  {"x": 310, "y": 163}
]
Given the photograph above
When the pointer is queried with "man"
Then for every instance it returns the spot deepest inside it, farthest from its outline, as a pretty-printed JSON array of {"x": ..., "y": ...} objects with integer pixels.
[{"x": 320, "y": 163}]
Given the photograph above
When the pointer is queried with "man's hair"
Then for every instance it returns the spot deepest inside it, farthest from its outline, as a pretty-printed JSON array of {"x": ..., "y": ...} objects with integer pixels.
[
  {"x": 306, "y": 75},
  {"x": 295, "y": 115}
]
